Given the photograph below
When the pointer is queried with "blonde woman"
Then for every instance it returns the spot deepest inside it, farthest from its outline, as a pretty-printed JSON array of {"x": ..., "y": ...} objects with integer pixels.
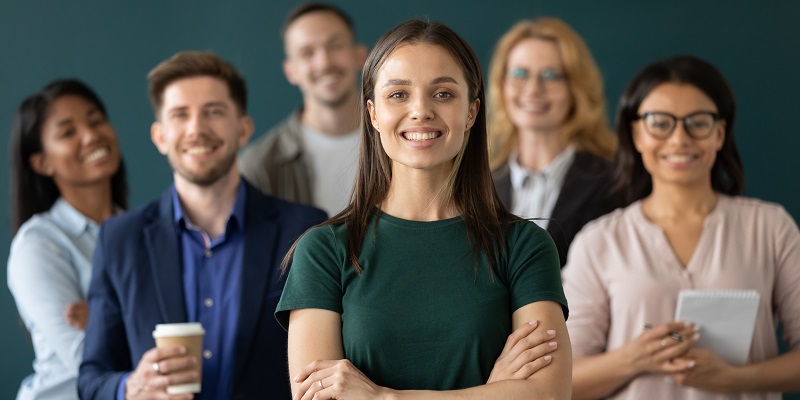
[{"x": 550, "y": 144}]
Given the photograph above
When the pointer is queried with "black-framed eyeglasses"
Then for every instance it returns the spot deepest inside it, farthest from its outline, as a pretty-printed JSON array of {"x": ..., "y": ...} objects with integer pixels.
[{"x": 698, "y": 125}]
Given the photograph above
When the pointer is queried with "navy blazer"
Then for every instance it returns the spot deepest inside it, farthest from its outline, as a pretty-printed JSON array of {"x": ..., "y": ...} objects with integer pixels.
[
  {"x": 587, "y": 194},
  {"x": 137, "y": 283}
]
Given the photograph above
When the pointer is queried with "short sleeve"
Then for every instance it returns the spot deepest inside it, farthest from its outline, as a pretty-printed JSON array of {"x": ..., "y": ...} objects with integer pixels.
[
  {"x": 315, "y": 276},
  {"x": 589, "y": 322},
  {"x": 533, "y": 267}
]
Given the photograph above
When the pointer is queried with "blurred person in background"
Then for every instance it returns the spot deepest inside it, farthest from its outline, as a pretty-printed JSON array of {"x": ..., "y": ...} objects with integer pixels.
[
  {"x": 687, "y": 228},
  {"x": 66, "y": 178},
  {"x": 549, "y": 140}
]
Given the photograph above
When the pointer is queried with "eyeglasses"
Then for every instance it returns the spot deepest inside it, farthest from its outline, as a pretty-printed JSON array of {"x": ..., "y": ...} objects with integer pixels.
[
  {"x": 698, "y": 125},
  {"x": 518, "y": 77}
]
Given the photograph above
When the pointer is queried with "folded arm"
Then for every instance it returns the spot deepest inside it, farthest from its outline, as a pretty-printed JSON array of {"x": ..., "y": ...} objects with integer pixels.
[
  {"x": 44, "y": 282},
  {"x": 317, "y": 367}
]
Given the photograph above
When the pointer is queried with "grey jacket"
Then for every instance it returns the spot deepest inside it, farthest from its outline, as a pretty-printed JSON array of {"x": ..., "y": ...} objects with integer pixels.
[{"x": 275, "y": 163}]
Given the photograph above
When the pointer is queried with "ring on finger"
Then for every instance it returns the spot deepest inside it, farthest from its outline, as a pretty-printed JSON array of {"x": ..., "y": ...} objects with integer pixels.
[
  {"x": 319, "y": 382},
  {"x": 156, "y": 368},
  {"x": 663, "y": 342}
]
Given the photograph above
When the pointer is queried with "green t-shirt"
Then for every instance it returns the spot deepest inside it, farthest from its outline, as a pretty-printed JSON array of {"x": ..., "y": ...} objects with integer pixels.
[{"x": 419, "y": 316}]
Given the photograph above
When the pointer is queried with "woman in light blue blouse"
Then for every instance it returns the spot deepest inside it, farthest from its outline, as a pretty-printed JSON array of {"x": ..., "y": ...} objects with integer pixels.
[{"x": 66, "y": 178}]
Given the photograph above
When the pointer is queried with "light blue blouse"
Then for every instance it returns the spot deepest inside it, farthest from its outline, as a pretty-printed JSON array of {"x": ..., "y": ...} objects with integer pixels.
[{"x": 49, "y": 267}]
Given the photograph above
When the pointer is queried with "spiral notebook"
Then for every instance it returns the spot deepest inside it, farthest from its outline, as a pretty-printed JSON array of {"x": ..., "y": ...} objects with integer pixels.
[{"x": 727, "y": 319}]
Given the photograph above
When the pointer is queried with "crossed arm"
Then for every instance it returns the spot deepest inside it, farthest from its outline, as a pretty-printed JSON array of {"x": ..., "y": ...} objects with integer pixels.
[{"x": 316, "y": 355}]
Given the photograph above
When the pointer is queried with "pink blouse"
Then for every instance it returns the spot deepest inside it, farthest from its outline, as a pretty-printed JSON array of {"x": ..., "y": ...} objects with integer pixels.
[{"x": 621, "y": 272}]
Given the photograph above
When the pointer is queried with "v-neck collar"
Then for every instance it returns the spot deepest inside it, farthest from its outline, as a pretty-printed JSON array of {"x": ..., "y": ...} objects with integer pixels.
[{"x": 700, "y": 253}]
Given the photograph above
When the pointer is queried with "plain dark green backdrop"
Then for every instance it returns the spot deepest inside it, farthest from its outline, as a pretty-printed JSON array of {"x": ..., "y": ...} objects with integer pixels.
[{"x": 113, "y": 44}]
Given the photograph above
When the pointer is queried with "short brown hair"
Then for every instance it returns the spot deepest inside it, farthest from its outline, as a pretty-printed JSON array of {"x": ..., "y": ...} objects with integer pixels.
[
  {"x": 308, "y": 8},
  {"x": 188, "y": 64}
]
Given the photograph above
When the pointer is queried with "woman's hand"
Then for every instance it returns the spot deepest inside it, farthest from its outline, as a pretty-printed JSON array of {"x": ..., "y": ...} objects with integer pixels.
[
  {"x": 77, "y": 314},
  {"x": 526, "y": 351},
  {"x": 706, "y": 371},
  {"x": 335, "y": 379},
  {"x": 660, "y": 348}
]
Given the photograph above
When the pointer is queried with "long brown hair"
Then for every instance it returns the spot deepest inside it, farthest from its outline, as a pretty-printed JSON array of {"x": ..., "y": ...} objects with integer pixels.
[
  {"x": 472, "y": 190},
  {"x": 586, "y": 125}
]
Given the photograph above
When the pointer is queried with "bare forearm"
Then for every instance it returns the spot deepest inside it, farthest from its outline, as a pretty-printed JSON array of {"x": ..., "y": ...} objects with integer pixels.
[
  {"x": 600, "y": 375},
  {"x": 508, "y": 389},
  {"x": 778, "y": 374}
]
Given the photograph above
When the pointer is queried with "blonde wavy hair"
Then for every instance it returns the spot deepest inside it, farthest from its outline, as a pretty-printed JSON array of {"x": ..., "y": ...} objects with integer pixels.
[{"x": 586, "y": 125}]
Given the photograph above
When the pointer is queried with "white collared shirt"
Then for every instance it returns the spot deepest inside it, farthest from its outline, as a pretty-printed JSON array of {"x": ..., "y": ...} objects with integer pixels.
[{"x": 535, "y": 193}]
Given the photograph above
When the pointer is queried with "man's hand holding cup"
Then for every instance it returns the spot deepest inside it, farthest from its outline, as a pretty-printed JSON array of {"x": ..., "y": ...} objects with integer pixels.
[{"x": 173, "y": 369}]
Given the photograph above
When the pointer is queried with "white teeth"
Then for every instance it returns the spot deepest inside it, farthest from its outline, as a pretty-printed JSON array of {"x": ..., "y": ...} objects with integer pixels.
[
  {"x": 198, "y": 150},
  {"x": 99, "y": 153},
  {"x": 679, "y": 159},
  {"x": 327, "y": 79},
  {"x": 420, "y": 135}
]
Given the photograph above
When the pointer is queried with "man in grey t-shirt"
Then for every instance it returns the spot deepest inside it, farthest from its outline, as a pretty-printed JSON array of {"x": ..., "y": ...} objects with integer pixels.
[{"x": 311, "y": 156}]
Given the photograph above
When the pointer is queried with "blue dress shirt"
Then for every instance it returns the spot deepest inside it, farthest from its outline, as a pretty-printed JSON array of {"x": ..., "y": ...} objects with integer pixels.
[{"x": 212, "y": 272}]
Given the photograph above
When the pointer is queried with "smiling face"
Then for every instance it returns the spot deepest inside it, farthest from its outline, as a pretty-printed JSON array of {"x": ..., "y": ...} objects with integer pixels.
[
  {"x": 79, "y": 146},
  {"x": 200, "y": 130},
  {"x": 535, "y": 89},
  {"x": 322, "y": 58},
  {"x": 421, "y": 108},
  {"x": 679, "y": 159}
]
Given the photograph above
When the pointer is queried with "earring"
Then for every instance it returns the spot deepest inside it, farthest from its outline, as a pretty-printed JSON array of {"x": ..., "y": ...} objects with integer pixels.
[{"x": 469, "y": 116}]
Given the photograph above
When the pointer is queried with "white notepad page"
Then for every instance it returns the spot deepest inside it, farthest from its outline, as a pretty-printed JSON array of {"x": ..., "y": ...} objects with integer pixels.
[{"x": 727, "y": 319}]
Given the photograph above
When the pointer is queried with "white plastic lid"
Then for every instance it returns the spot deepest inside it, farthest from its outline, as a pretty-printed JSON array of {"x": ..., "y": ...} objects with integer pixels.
[{"x": 181, "y": 329}]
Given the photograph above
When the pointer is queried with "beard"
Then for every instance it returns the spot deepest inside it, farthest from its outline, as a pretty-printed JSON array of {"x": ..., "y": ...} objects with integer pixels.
[{"x": 208, "y": 176}]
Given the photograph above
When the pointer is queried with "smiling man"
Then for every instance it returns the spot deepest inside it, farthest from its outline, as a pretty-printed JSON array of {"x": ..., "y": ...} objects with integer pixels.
[
  {"x": 207, "y": 251},
  {"x": 311, "y": 156}
]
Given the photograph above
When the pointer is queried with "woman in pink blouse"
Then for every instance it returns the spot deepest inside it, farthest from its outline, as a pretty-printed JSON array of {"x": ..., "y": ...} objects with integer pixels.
[{"x": 687, "y": 228}]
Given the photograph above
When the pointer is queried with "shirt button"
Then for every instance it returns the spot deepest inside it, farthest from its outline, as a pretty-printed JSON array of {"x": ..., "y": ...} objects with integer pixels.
[
  {"x": 207, "y": 354},
  {"x": 208, "y": 303},
  {"x": 208, "y": 253}
]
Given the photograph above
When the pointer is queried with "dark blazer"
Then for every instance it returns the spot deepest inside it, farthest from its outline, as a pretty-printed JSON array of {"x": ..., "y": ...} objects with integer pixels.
[
  {"x": 586, "y": 195},
  {"x": 137, "y": 283}
]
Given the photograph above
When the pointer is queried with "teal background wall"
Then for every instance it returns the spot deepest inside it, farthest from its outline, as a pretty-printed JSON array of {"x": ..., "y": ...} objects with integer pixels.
[{"x": 113, "y": 44}]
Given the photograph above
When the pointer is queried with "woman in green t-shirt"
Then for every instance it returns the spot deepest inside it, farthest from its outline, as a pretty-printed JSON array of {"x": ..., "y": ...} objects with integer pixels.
[{"x": 412, "y": 290}]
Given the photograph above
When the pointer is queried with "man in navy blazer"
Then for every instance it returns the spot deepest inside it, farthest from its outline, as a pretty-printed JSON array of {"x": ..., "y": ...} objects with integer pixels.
[{"x": 207, "y": 251}]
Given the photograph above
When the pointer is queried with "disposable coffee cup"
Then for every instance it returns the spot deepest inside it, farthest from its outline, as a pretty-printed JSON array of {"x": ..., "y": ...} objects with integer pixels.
[{"x": 189, "y": 335}]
